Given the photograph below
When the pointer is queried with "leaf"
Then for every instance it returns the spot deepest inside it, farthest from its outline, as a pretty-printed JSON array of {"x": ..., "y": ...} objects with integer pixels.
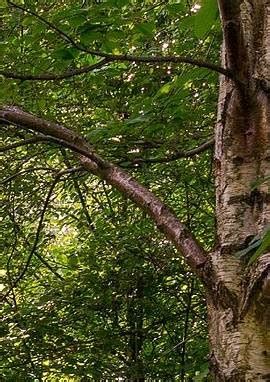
[
  {"x": 65, "y": 54},
  {"x": 165, "y": 89},
  {"x": 261, "y": 243},
  {"x": 77, "y": 20},
  {"x": 119, "y": 3},
  {"x": 28, "y": 20},
  {"x": 265, "y": 245},
  {"x": 89, "y": 36},
  {"x": 73, "y": 261},
  {"x": 97, "y": 134},
  {"x": 258, "y": 182},
  {"x": 201, "y": 376},
  {"x": 140, "y": 119},
  {"x": 145, "y": 28},
  {"x": 175, "y": 8},
  {"x": 245, "y": 251},
  {"x": 205, "y": 17}
]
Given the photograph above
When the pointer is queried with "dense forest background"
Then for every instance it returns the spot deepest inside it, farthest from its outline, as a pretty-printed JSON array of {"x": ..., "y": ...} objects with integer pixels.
[{"x": 90, "y": 289}]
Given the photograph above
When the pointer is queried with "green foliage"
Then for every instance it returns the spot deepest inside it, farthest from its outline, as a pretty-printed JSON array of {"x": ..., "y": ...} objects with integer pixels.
[
  {"x": 125, "y": 303},
  {"x": 256, "y": 247},
  {"x": 258, "y": 182},
  {"x": 206, "y": 17},
  {"x": 264, "y": 246}
]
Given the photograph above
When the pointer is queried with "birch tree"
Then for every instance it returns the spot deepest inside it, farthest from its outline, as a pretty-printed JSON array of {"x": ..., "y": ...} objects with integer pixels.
[{"x": 237, "y": 287}]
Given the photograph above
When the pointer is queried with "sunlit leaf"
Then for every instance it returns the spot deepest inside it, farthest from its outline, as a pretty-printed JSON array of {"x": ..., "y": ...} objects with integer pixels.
[{"x": 205, "y": 17}]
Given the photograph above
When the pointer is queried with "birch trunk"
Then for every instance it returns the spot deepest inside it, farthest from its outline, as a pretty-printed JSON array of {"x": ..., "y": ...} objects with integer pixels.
[{"x": 239, "y": 302}]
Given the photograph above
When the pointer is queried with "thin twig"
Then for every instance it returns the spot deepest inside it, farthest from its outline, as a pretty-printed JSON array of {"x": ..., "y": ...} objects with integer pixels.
[
  {"x": 19, "y": 173},
  {"x": 22, "y": 143},
  {"x": 80, "y": 194},
  {"x": 177, "y": 155},
  {"x": 127, "y": 57},
  {"x": 53, "y": 76},
  {"x": 39, "y": 228}
]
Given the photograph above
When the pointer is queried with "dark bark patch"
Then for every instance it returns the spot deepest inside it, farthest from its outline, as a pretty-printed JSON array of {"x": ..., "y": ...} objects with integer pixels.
[
  {"x": 237, "y": 161},
  {"x": 256, "y": 197},
  {"x": 226, "y": 299}
]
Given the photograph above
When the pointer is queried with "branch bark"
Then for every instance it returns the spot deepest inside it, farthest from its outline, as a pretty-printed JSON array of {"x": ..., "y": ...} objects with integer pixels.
[{"x": 165, "y": 220}]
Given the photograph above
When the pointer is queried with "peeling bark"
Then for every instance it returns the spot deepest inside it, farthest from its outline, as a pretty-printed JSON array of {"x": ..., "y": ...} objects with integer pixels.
[{"x": 239, "y": 304}]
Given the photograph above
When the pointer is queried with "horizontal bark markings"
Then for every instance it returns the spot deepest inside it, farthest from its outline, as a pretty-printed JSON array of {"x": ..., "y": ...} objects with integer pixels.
[{"x": 255, "y": 197}]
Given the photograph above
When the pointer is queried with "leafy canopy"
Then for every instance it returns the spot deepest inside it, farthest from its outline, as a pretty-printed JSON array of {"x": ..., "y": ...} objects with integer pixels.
[{"x": 93, "y": 290}]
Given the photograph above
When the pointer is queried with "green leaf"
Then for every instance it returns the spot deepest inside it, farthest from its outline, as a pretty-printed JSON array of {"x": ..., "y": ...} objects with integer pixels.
[
  {"x": 73, "y": 261},
  {"x": 140, "y": 119},
  {"x": 265, "y": 245},
  {"x": 89, "y": 36},
  {"x": 165, "y": 89},
  {"x": 201, "y": 376},
  {"x": 261, "y": 243},
  {"x": 251, "y": 247},
  {"x": 118, "y": 3},
  {"x": 65, "y": 54},
  {"x": 205, "y": 17},
  {"x": 28, "y": 20},
  {"x": 97, "y": 134},
  {"x": 258, "y": 182},
  {"x": 145, "y": 28},
  {"x": 77, "y": 21}
]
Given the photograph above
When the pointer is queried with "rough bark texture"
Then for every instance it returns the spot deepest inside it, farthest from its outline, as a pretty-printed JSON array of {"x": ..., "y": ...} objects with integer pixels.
[{"x": 239, "y": 304}]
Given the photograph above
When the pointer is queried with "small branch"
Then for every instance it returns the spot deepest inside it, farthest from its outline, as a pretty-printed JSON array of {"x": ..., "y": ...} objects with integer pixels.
[
  {"x": 164, "y": 218},
  {"x": 125, "y": 57},
  {"x": 19, "y": 173},
  {"x": 80, "y": 194},
  {"x": 177, "y": 155},
  {"x": 22, "y": 143},
  {"x": 65, "y": 36},
  {"x": 52, "y": 76},
  {"x": 33, "y": 250},
  {"x": 39, "y": 228}
]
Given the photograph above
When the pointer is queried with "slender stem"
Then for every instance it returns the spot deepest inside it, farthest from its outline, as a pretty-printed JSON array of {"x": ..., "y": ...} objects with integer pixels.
[{"x": 126, "y": 57}]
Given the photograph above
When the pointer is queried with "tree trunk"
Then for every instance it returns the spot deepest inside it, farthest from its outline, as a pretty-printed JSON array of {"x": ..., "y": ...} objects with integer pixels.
[
  {"x": 238, "y": 294},
  {"x": 239, "y": 299}
]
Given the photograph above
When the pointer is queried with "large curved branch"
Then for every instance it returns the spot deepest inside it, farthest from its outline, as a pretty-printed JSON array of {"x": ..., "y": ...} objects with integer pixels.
[
  {"x": 164, "y": 218},
  {"x": 126, "y": 57}
]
